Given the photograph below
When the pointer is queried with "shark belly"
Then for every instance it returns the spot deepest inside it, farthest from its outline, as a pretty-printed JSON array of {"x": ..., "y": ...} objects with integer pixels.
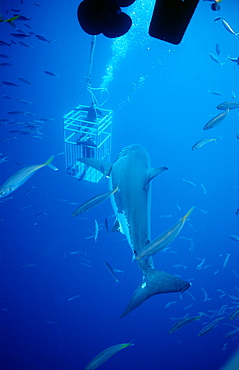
[{"x": 131, "y": 203}]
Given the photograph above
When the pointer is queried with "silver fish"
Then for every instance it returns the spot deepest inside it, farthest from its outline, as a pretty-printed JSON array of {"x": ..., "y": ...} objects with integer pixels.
[
  {"x": 228, "y": 105},
  {"x": 199, "y": 144},
  {"x": 228, "y": 28},
  {"x": 20, "y": 177},
  {"x": 216, "y": 120}
]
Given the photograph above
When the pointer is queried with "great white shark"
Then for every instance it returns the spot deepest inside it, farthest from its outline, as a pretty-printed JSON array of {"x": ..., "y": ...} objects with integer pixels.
[{"x": 131, "y": 173}]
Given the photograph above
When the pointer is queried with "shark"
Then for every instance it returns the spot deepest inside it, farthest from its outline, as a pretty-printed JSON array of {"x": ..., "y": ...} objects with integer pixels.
[{"x": 132, "y": 173}]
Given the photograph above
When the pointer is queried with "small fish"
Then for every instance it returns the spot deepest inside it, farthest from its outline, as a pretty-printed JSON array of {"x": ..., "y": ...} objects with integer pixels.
[
  {"x": 189, "y": 182},
  {"x": 216, "y": 120},
  {"x": 237, "y": 135},
  {"x": 203, "y": 189},
  {"x": 234, "y": 237},
  {"x": 103, "y": 356},
  {"x": 226, "y": 261},
  {"x": 205, "y": 296},
  {"x": 199, "y": 144},
  {"x": 234, "y": 314},
  {"x": 231, "y": 334},
  {"x": 93, "y": 202},
  {"x": 228, "y": 28},
  {"x": 165, "y": 238},
  {"x": 214, "y": 92},
  {"x": 5, "y": 64},
  {"x": 7, "y": 83},
  {"x": 111, "y": 270},
  {"x": 72, "y": 298},
  {"x": 107, "y": 225},
  {"x": 9, "y": 20},
  {"x": 217, "y": 19},
  {"x": 20, "y": 177},
  {"x": 169, "y": 304},
  {"x": 215, "y": 59},
  {"x": 3, "y": 43},
  {"x": 218, "y": 49},
  {"x": 39, "y": 37},
  {"x": 96, "y": 230},
  {"x": 209, "y": 327},
  {"x": 20, "y": 35},
  {"x": 23, "y": 18},
  {"x": 200, "y": 264},
  {"x": 24, "y": 101},
  {"x": 24, "y": 80},
  {"x": 228, "y": 105},
  {"x": 4, "y": 56},
  {"x": 24, "y": 44},
  {"x": 183, "y": 322},
  {"x": 50, "y": 73},
  {"x": 15, "y": 112},
  {"x": 234, "y": 96}
]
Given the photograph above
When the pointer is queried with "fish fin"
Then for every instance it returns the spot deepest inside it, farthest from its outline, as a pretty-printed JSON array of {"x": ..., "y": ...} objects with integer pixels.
[
  {"x": 155, "y": 282},
  {"x": 116, "y": 226},
  {"x": 48, "y": 163},
  {"x": 152, "y": 172},
  {"x": 103, "y": 167}
]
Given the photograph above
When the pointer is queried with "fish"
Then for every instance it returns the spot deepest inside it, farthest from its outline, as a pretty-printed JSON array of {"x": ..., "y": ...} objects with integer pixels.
[
  {"x": 234, "y": 314},
  {"x": 218, "y": 51},
  {"x": 5, "y": 64},
  {"x": 39, "y": 37},
  {"x": 107, "y": 225},
  {"x": 231, "y": 334},
  {"x": 24, "y": 80},
  {"x": 132, "y": 174},
  {"x": 189, "y": 182},
  {"x": 199, "y": 144},
  {"x": 24, "y": 44},
  {"x": 9, "y": 20},
  {"x": 20, "y": 177},
  {"x": 96, "y": 230},
  {"x": 183, "y": 322},
  {"x": 215, "y": 121},
  {"x": 228, "y": 28},
  {"x": 228, "y": 105},
  {"x": 234, "y": 237},
  {"x": 166, "y": 238},
  {"x": 103, "y": 356},
  {"x": 72, "y": 298},
  {"x": 217, "y": 19},
  {"x": 93, "y": 202},
  {"x": 7, "y": 83},
  {"x": 214, "y": 92},
  {"x": 215, "y": 59},
  {"x": 3, "y": 43},
  {"x": 209, "y": 327},
  {"x": 20, "y": 35},
  {"x": 4, "y": 56},
  {"x": 50, "y": 73},
  {"x": 111, "y": 270},
  {"x": 226, "y": 260}
]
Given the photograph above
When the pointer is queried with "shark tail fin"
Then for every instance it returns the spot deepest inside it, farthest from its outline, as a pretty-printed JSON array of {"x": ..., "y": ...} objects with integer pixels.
[{"x": 155, "y": 282}]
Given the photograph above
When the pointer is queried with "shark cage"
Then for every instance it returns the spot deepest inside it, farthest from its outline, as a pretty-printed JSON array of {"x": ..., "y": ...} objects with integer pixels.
[{"x": 87, "y": 134}]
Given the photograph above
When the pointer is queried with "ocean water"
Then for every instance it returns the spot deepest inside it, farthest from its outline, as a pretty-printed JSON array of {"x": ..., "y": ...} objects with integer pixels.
[{"x": 59, "y": 309}]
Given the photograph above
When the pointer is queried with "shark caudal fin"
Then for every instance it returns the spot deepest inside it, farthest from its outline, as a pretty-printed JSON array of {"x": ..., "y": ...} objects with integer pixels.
[{"x": 155, "y": 282}]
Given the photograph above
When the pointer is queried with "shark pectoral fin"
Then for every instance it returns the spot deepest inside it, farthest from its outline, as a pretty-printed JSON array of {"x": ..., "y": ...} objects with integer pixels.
[
  {"x": 116, "y": 226},
  {"x": 152, "y": 172},
  {"x": 155, "y": 282},
  {"x": 103, "y": 167}
]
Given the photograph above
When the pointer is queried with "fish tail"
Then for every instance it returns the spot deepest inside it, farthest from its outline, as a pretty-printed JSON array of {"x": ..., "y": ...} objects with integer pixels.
[
  {"x": 48, "y": 163},
  {"x": 188, "y": 214}
]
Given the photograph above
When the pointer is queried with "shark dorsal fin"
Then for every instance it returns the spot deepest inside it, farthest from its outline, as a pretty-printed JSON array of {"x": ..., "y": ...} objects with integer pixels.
[{"x": 152, "y": 172}]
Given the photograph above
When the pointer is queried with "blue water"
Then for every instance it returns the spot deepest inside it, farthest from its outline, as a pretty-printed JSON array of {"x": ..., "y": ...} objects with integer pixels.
[{"x": 159, "y": 95}]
